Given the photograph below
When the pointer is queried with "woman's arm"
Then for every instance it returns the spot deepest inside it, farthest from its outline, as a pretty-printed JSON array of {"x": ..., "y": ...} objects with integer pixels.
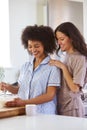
[
  {"x": 46, "y": 97},
  {"x": 73, "y": 87},
  {"x": 8, "y": 87}
]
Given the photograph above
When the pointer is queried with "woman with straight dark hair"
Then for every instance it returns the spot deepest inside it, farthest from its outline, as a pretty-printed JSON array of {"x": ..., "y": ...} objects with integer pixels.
[{"x": 73, "y": 69}]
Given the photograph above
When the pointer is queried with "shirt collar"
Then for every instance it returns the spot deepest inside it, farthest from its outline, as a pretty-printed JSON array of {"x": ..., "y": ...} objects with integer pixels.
[{"x": 45, "y": 61}]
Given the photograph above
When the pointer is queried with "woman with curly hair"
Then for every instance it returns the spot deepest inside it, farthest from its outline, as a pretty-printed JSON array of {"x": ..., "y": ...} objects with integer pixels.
[{"x": 37, "y": 83}]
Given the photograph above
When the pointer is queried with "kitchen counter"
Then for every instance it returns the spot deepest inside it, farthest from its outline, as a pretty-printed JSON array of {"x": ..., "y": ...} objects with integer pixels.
[{"x": 43, "y": 122}]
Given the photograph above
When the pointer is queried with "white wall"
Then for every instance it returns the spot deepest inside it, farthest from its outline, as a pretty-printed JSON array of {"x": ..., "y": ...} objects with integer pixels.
[
  {"x": 58, "y": 12},
  {"x": 4, "y": 34},
  {"x": 11, "y": 75},
  {"x": 21, "y": 14},
  {"x": 65, "y": 10},
  {"x": 76, "y": 14},
  {"x": 85, "y": 19}
]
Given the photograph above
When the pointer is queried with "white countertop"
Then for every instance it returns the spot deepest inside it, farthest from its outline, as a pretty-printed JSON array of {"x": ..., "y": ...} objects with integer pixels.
[{"x": 43, "y": 122}]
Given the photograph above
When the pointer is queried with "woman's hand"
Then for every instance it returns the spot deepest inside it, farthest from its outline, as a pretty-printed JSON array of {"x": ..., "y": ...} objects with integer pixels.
[
  {"x": 57, "y": 63},
  {"x": 17, "y": 102},
  {"x": 4, "y": 86},
  {"x": 8, "y": 87}
]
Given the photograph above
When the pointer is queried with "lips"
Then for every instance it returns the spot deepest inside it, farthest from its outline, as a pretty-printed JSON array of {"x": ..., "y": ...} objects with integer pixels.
[
  {"x": 61, "y": 46},
  {"x": 36, "y": 53}
]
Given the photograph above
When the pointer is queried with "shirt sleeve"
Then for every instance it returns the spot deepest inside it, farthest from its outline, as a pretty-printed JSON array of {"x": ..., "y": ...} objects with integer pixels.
[
  {"x": 79, "y": 71},
  {"x": 22, "y": 70},
  {"x": 54, "y": 78}
]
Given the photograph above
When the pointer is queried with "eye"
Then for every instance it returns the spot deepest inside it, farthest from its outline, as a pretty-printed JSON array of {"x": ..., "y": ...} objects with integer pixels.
[
  {"x": 29, "y": 47},
  {"x": 37, "y": 46},
  {"x": 61, "y": 39}
]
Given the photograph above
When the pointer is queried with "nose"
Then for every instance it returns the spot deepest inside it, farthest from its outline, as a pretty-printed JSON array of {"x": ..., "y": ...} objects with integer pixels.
[
  {"x": 33, "y": 49},
  {"x": 58, "y": 42}
]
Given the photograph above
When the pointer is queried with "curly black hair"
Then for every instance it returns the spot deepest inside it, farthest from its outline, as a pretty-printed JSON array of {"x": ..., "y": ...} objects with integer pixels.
[{"x": 44, "y": 34}]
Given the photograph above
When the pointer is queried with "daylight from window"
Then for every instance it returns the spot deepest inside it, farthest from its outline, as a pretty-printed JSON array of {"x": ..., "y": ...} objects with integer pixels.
[{"x": 4, "y": 34}]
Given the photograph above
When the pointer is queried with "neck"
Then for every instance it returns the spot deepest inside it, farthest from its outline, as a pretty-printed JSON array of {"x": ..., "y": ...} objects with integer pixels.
[
  {"x": 71, "y": 50},
  {"x": 37, "y": 61}
]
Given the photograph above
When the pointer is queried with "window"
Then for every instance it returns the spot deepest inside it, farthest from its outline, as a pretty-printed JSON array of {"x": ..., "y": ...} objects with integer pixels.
[{"x": 4, "y": 34}]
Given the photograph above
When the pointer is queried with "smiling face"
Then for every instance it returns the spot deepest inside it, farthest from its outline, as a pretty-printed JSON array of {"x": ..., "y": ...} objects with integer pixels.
[
  {"x": 36, "y": 48},
  {"x": 64, "y": 42}
]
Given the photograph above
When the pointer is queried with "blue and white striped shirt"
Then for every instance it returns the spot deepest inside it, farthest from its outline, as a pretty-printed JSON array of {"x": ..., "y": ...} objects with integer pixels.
[{"x": 35, "y": 82}]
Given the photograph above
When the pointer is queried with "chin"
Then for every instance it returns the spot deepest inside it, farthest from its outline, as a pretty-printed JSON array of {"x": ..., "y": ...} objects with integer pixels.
[{"x": 63, "y": 50}]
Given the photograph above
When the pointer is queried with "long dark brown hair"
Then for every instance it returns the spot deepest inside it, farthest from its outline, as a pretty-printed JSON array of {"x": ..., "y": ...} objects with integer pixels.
[{"x": 70, "y": 30}]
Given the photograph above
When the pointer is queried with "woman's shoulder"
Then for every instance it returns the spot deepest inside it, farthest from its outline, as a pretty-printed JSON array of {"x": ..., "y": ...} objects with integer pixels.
[
  {"x": 54, "y": 69},
  {"x": 75, "y": 59},
  {"x": 25, "y": 65},
  {"x": 29, "y": 62},
  {"x": 76, "y": 56}
]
